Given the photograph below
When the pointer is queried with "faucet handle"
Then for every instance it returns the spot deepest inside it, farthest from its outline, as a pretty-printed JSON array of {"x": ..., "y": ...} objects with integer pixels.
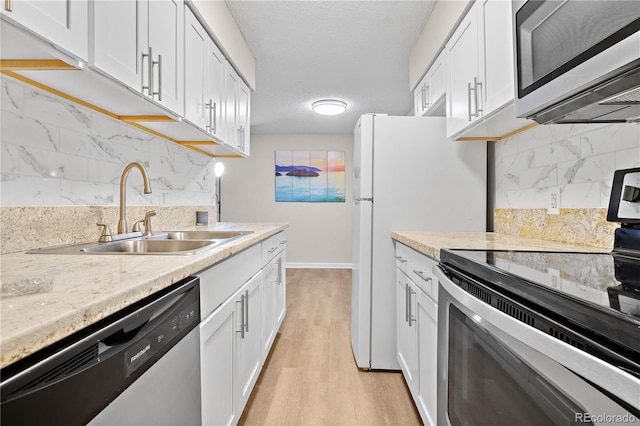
[
  {"x": 136, "y": 226},
  {"x": 147, "y": 222},
  {"x": 105, "y": 237}
]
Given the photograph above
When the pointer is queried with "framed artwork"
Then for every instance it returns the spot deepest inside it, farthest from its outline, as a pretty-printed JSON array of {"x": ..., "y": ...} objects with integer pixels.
[{"x": 310, "y": 176}]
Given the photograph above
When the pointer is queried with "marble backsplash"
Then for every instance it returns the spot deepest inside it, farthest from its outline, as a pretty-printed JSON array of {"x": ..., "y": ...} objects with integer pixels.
[
  {"x": 57, "y": 153},
  {"x": 28, "y": 227},
  {"x": 61, "y": 166},
  {"x": 576, "y": 162}
]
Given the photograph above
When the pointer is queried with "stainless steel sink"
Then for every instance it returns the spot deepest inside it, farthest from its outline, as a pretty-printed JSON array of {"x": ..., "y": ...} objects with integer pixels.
[
  {"x": 163, "y": 243},
  {"x": 152, "y": 247},
  {"x": 202, "y": 235}
]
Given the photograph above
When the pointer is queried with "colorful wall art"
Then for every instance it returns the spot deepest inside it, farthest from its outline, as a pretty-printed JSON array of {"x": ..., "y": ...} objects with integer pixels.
[{"x": 310, "y": 176}]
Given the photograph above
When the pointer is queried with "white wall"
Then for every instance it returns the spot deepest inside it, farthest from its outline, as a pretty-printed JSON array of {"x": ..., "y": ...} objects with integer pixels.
[
  {"x": 319, "y": 233},
  {"x": 57, "y": 153},
  {"x": 579, "y": 160}
]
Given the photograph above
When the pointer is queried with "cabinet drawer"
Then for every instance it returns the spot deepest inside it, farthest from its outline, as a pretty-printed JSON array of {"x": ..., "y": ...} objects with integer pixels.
[
  {"x": 402, "y": 256},
  {"x": 272, "y": 246},
  {"x": 419, "y": 269},
  {"x": 220, "y": 281}
]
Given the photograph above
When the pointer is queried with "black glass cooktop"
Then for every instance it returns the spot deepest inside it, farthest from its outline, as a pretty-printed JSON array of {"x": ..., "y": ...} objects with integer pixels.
[{"x": 598, "y": 292}]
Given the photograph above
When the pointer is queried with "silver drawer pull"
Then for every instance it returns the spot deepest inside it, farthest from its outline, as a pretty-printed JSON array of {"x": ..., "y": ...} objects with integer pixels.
[
  {"x": 272, "y": 249},
  {"x": 401, "y": 259},
  {"x": 422, "y": 275}
]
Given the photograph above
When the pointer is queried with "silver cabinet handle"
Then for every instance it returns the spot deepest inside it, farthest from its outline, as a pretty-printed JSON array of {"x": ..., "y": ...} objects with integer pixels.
[
  {"x": 422, "y": 275},
  {"x": 159, "y": 64},
  {"x": 410, "y": 316},
  {"x": 283, "y": 242},
  {"x": 475, "y": 97},
  {"x": 209, "y": 107},
  {"x": 424, "y": 97},
  {"x": 149, "y": 86},
  {"x": 272, "y": 249},
  {"x": 406, "y": 302},
  {"x": 241, "y": 331},
  {"x": 477, "y": 83},
  {"x": 246, "y": 311},
  {"x": 215, "y": 124},
  {"x": 401, "y": 259},
  {"x": 8, "y": 5}
]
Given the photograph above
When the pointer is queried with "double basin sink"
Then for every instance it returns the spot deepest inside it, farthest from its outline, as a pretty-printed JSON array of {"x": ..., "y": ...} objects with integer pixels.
[{"x": 167, "y": 242}]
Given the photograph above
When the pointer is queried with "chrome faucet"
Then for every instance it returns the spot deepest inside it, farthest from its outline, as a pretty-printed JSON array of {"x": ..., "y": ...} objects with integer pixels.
[{"x": 122, "y": 223}]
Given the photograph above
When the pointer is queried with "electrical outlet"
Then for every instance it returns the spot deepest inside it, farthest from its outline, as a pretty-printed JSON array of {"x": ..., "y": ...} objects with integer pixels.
[
  {"x": 554, "y": 277},
  {"x": 553, "y": 206}
]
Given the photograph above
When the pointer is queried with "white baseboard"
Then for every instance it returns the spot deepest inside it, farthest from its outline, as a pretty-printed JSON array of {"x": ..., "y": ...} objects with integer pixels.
[{"x": 319, "y": 265}]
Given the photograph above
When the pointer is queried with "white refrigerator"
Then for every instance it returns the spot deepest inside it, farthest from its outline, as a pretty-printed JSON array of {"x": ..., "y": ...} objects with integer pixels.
[{"x": 407, "y": 177}]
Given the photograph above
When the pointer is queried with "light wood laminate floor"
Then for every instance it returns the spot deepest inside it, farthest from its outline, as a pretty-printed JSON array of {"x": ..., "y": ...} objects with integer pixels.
[{"x": 310, "y": 377}]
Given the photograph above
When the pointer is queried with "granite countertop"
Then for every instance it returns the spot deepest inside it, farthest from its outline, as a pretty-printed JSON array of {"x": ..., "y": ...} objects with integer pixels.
[
  {"x": 430, "y": 243},
  {"x": 46, "y": 297}
]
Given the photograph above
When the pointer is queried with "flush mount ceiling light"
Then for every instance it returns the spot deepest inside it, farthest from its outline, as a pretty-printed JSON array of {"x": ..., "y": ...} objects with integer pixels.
[{"x": 329, "y": 106}]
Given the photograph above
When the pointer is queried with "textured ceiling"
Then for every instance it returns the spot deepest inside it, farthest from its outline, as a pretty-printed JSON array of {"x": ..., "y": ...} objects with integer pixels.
[{"x": 356, "y": 51}]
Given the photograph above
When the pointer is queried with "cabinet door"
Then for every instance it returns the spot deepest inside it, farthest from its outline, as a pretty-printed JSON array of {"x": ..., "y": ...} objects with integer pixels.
[
  {"x": 215, "y": 89},
  {"x": 407, "y": 330},
  {"x": 120, "y": 39},
  {"x": 420, "y": 97},
  {"x": 247, "y": 345},
  {"x": 268, "y": 308},
  {"x": 166, "y": 41},
  {"x": 281, "y": 290},
  {"x": 496, "y": 60},
  {"x": 64, "y": 23},
  {"x": 244, "y": 105},
  {"x": 436, "y": 80},
  {"x": 427, "y": 313},
  {"x": 230, "y": 105},
  {"x": 217, "y": 340},
  {"x": 196, "y": 43},
  {"x": 462, "y": 51}
]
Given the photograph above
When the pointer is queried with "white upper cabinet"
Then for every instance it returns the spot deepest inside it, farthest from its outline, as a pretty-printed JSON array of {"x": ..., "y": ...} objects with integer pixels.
[
  {"x": 140, "y": 43},
  {"x": 195, "y": 54},
  {"x": 62, "y": 22},
  {"x": 429, "y": 95},
  {"x": 242, "y": 126},
  {"x": 480, "y": 78},
  {"x": 496, "y": 64},
  {"x": 463, "y": 51},
  {"x": 203, "y": 83},
  {"x": 231, "y": 80},
  {"x": 120, "y": 37},
  {"x": 166, "y": 44},
  {"x": 214, "y": 89}
]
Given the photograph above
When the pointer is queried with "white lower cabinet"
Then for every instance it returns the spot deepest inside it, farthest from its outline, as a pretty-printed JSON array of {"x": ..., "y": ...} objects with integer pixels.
[
  {"x": 217, "y": 336},
  {"x": 273, "y": 290},
  {"x": 427, "y": 312},
  {"x": 417, "y": 327},
  {"x": 240, "y": 311},
  {"x": 407, "y": 330}
]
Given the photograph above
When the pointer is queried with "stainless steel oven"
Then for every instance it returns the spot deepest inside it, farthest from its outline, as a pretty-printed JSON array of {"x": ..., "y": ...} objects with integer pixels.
[
  {"x": 577, "y": 60},
  {"x": 543, "y": 338},
  {"x": 496, "y": 367}
]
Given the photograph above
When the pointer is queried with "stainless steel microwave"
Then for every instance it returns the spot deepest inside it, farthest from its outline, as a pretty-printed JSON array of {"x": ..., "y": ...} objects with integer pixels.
[{"x": 577, "y": 61}]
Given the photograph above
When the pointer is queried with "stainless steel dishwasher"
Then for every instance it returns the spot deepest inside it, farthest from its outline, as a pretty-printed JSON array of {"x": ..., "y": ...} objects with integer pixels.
[{"x": 140, "y": 366}]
